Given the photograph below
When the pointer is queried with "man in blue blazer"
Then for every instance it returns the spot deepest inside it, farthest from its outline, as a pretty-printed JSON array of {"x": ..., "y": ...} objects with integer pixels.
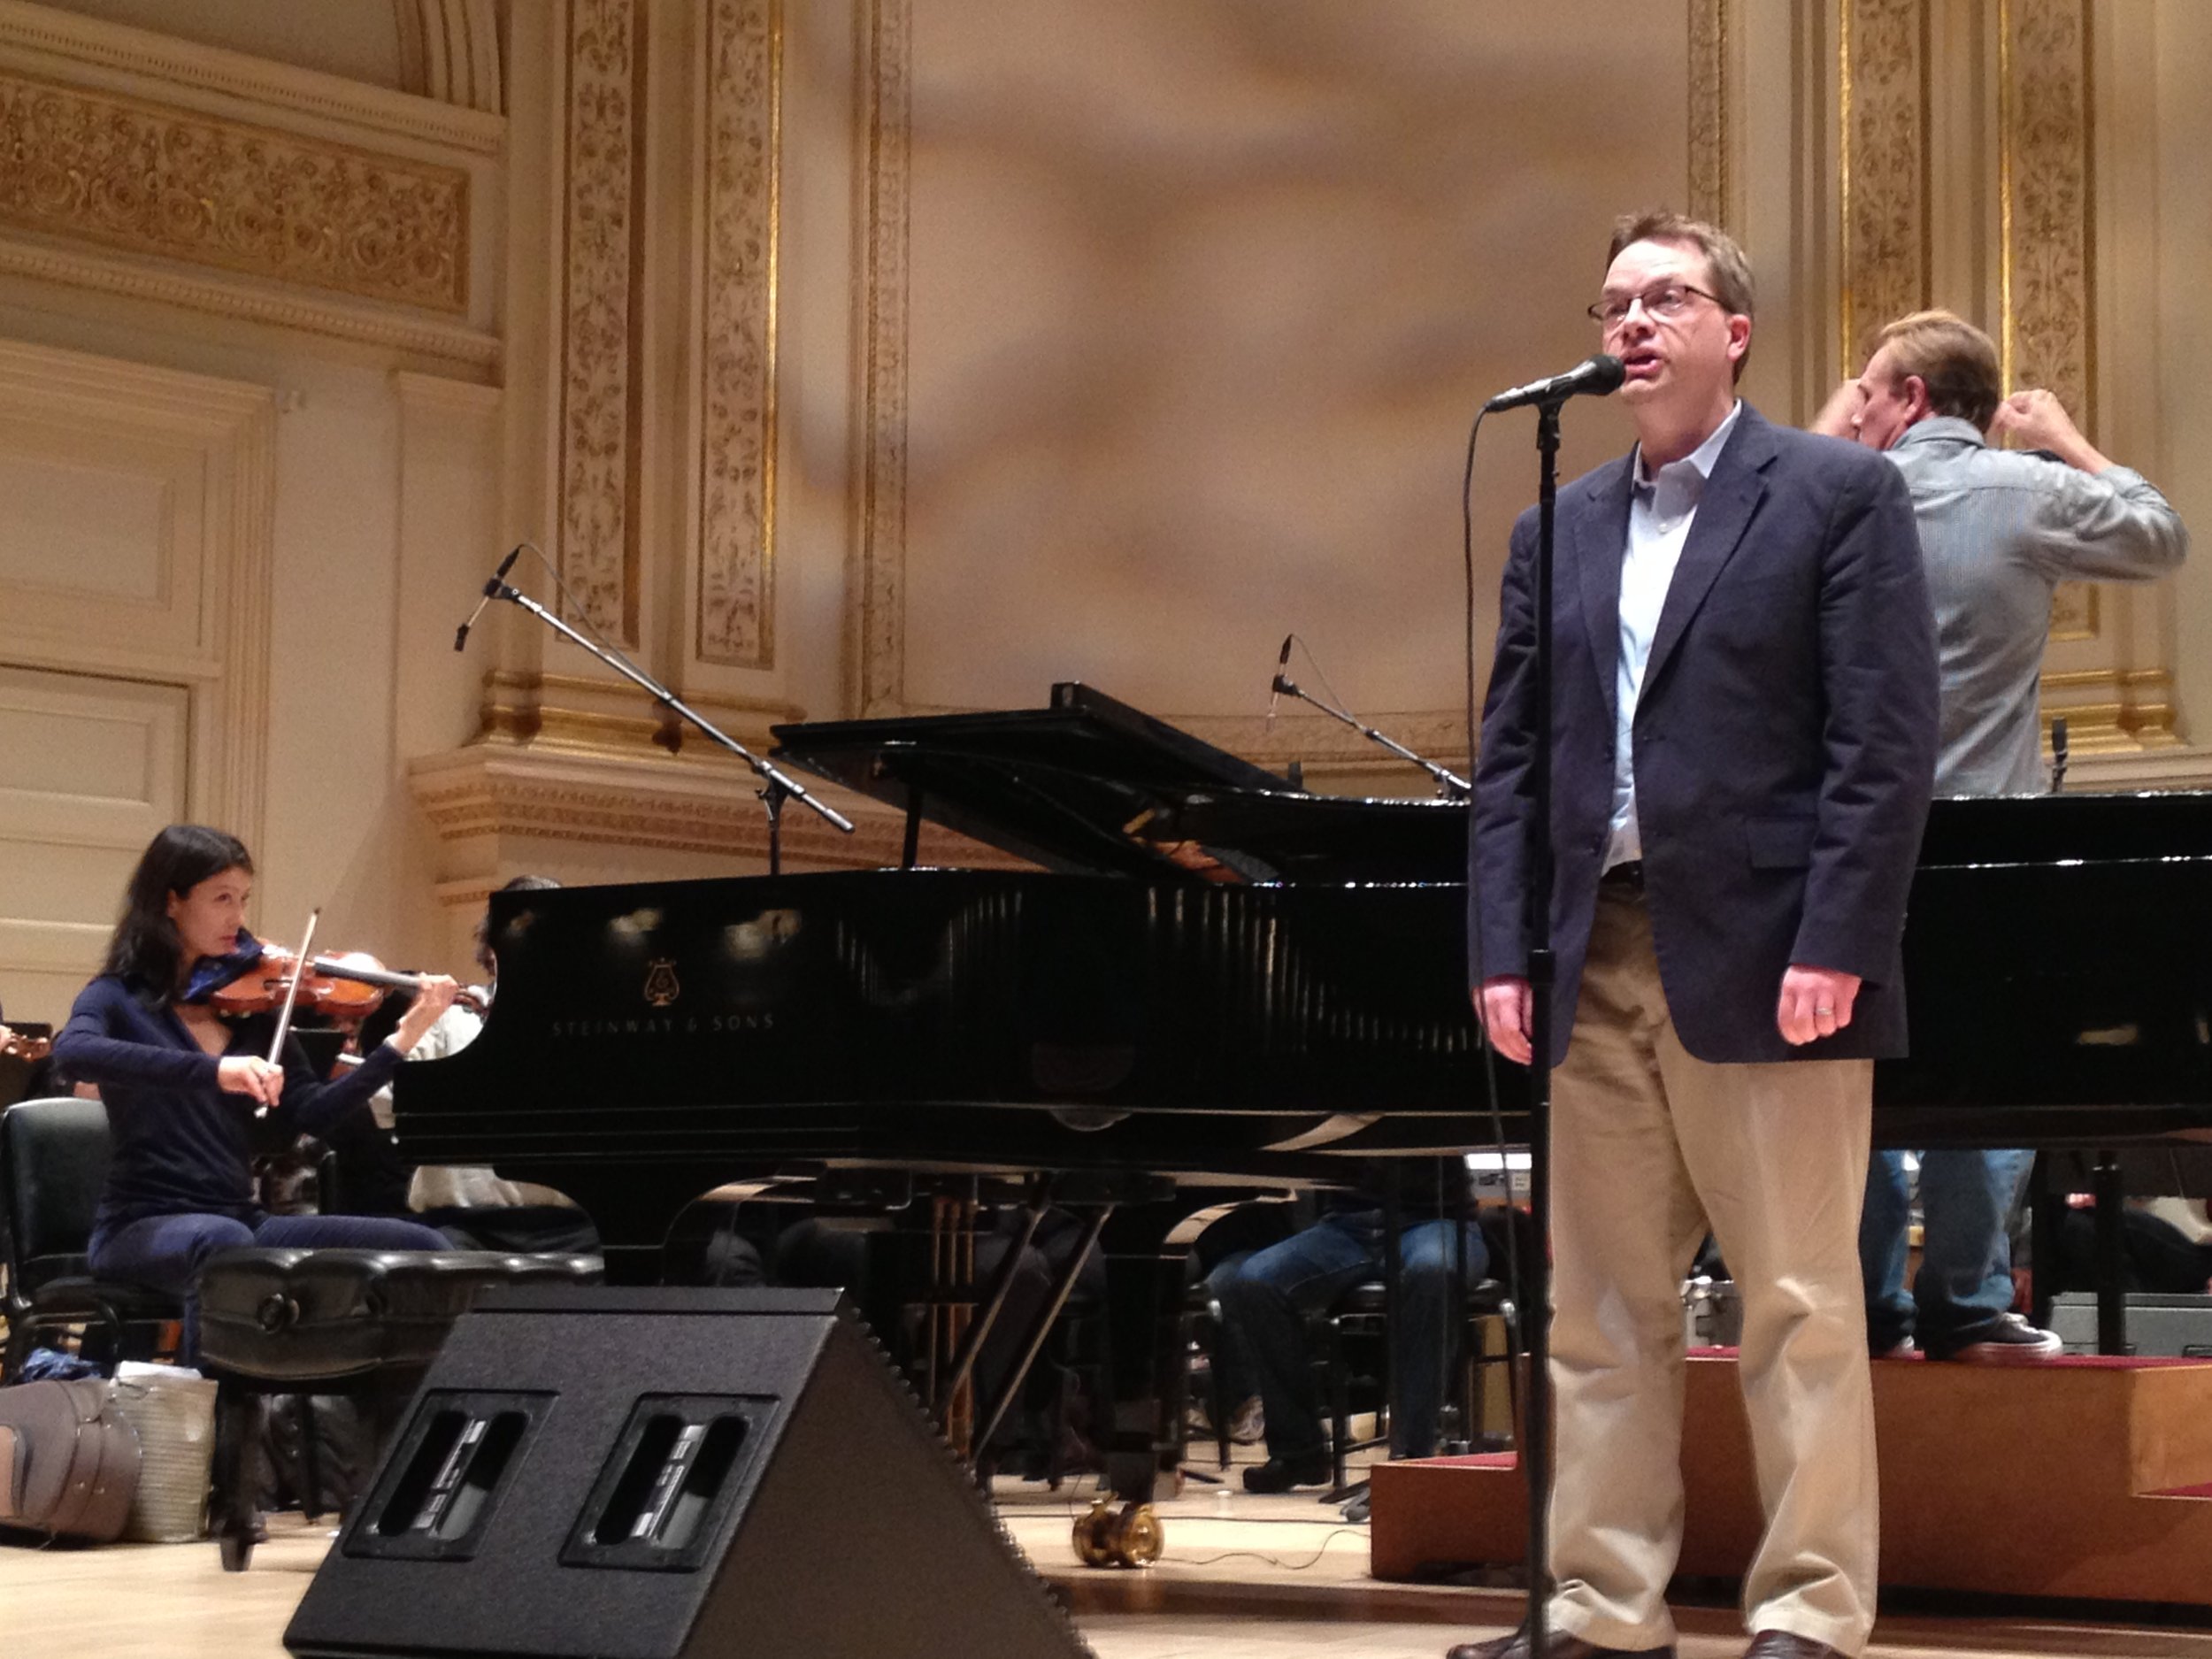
[{"x": 1743, "y": 747}]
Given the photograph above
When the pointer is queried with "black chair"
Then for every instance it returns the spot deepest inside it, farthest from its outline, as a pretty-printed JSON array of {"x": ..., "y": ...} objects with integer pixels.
[
  {"x": 1363, "y": 1312},
  {"x": 53, "y": 1164}
]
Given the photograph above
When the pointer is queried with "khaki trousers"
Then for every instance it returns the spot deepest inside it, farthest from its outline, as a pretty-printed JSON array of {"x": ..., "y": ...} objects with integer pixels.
[{"x": 1650, "y": 1146}]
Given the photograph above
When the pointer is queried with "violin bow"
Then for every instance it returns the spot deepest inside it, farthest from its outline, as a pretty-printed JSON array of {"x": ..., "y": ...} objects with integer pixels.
[{"x": 291, "y": 997}]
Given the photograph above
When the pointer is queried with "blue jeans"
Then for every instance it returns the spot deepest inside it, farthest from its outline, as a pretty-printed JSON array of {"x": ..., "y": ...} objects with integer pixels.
[
  {"x": 167, "y": 1252},
  {"x": 1965, "y": 1278},
  {"x": 1266, "y": 1296}
]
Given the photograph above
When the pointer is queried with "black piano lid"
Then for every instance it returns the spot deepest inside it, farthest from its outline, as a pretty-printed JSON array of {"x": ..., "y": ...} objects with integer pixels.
[
  {"x": 2146, "y": 826},
  {"x": 1058, "y": 785}
]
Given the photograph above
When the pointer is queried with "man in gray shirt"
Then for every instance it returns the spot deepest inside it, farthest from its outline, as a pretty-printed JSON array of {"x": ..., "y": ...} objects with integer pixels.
[{"x": 1999, "y": 531}]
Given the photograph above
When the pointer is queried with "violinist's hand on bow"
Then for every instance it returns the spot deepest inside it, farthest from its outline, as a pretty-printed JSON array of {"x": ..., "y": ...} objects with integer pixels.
[
  {"x": 435, "y": 996},
  {"x": 251, "y": 1076}
]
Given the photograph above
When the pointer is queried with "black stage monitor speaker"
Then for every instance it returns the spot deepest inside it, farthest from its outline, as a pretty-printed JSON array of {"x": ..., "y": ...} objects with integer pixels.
[{"x": 670, "y": 1474}]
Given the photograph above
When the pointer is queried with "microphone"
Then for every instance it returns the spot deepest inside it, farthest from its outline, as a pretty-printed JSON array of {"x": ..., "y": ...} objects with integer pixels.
[
  {"x": 491, "y": 592},
  {"x": 1275, "y": 694},
  {"x": 1597, "y": 375}
]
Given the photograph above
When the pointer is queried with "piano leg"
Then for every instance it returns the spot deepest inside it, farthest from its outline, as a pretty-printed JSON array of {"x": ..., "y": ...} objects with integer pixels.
[
  {"x": 2112, "y": 1318},
  {"x": 1144, "y": 1437}
]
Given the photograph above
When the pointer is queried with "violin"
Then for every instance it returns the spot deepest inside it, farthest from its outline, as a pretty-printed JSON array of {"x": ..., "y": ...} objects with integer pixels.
[{"x": 348, "y": 985}]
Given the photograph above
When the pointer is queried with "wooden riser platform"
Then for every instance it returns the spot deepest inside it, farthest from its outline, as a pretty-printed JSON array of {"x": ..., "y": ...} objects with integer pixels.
[{"x": 2080, "y": 1478}]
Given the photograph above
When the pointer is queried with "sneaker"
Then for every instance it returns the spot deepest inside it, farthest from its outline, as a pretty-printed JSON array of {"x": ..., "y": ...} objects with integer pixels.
[
  {"x": 1247, "y": 1424},
  {"x": 1278, "y": 1474},
  {"x": 1904, "y": 1348},
  {"x": 2007, "y": 1340}
]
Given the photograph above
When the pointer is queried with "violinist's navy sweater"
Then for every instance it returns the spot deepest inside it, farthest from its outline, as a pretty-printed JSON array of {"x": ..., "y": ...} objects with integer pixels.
[{"x": 182, "y": 1146}]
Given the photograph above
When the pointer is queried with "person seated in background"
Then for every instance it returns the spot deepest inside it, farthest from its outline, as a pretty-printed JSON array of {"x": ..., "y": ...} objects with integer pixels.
[
  {"x": 473, "y": 1207},
  {"x": 183, "y": 1086},
  {"x": 1267, "y": 1295}
]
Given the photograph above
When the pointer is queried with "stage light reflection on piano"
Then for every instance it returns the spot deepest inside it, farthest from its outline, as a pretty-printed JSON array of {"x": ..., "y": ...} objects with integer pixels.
[
  {"x": 752, "y": 940},
  {"x": 634, "y": 928}
]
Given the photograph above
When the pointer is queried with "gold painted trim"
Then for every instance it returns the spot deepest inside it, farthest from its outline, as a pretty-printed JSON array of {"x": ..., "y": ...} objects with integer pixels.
[
  {"x": 2132, "y": 708},
  {"x": 156, "y": 179}
]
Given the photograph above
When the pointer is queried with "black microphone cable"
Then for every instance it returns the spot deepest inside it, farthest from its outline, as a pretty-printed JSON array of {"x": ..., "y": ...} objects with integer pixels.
[{"x": 1514, "y": 1282}]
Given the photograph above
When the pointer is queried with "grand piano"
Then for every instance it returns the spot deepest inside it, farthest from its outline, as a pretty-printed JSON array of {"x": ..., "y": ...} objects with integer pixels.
[{"x": 1213, "y": 978}]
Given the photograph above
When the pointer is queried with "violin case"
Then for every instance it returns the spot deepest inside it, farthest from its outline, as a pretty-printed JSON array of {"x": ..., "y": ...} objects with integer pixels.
[{"x": 68, "y": 1462}]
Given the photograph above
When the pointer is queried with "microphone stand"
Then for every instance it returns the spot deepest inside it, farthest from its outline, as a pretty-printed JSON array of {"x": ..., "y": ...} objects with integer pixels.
[
  {"x": 1449, "y": 785},
  {"x": 1536, "y": 1440},
  {"x": 777, "y": 786}
]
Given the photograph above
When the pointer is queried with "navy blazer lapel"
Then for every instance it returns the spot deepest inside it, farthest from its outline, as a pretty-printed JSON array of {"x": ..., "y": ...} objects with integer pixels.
[
  {"x": 1598, "y": 525},
  {"x": 1723, "y": 512}
]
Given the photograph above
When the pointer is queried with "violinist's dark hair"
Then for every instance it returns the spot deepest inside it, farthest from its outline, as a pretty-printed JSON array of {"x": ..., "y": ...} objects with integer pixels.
[{"x": 146, "y": 948}]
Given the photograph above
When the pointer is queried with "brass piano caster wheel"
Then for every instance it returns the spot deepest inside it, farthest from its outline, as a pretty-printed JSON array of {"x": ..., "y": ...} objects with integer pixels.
[{"x": 1130, "y": 1539}]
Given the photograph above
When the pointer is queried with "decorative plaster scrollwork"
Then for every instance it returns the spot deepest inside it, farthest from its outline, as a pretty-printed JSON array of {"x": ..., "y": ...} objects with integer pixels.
[
  {"x": 737, "y": 449},
  {"x": 882, "y": 644},
  {"x": 2049, "y": 333},
  {"x": 1708, "y": 111},
  {"x": 1884, "y": 176},
  {"x": 2045, "y": 274},
  {"x": 146, "y": 178},
  {"x": 598, "y": 429}
]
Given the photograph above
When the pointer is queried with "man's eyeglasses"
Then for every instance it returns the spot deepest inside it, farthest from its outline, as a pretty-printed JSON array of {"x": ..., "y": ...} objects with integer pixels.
[{"x": 1663, "y": 304}]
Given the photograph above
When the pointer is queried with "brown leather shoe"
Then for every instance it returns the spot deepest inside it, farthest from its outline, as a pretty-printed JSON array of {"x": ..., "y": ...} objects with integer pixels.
[
  {"x": 1557, "y": 1644},
  {"x": 1781, "y": 1644}
]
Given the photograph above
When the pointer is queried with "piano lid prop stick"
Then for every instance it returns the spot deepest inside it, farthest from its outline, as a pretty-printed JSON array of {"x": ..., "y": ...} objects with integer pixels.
[{"x": 291, "y": 997}]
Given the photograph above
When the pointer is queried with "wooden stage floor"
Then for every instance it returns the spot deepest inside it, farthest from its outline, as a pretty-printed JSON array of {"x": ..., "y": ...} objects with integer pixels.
[{"x": 1241, "y": 1578}]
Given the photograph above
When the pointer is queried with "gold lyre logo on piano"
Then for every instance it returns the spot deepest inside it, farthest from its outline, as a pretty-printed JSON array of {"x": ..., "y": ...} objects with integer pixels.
[{"x": 661, "y": 987}]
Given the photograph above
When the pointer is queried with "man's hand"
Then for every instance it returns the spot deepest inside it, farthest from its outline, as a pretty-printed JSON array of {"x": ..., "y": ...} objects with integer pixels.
[
  {"x": 2040, "y": 421},
  {"x": 1815, "y": 1002},
  {"x": 1838, "y": 416},
  {"x": 251, "y": 1076},
  {"x": 434, "y": 996},
  {"x": 1507, "y": 1006}
]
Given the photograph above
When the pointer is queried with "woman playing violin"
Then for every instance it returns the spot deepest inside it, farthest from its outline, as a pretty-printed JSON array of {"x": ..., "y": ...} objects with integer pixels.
[{"x": 183, "y": 1085}]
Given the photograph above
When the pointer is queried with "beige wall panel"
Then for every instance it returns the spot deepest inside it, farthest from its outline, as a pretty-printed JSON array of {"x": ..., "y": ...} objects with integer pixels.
[
  {"x": 1202, "y": 298},
  {"x": 103, "y": 533},
  {"x": 89, "y": 769}
]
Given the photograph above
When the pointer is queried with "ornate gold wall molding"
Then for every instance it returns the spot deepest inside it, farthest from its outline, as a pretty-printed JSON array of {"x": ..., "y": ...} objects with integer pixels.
[
  {"x": 1882, "y": 168},
  {"x": 568, "y": 711},
  {"x": 216, "y": 296},
  {"x": 2112, "y": 711},
  {"x": 599, "y": 258},
  {"x": 2045, "y": 275},
  {"x": 151, "y": 179},
  {"x": 2044, "y": 184},
  {"x": 1709, "y": 46},
  {"x": 880, "y": 650},
  {"x": 737, "y": 346},
  {"x": 484, "y": 795},
  {"x": 61, "y": 40}
]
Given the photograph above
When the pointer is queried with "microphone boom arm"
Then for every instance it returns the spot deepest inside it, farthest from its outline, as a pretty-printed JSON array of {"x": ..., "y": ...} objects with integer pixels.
[
  {"x": 778, "y": 786},
  {"x": 1449, "y": 784}
]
